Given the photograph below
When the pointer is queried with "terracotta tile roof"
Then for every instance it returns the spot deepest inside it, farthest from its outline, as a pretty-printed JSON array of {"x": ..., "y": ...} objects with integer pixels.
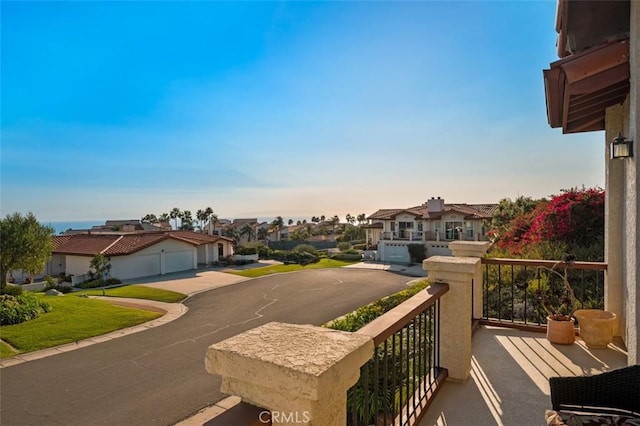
[
  {"x": 471, "y": 211},
  {"x": 373, "y": 225},
  {"x": 84, "y": 244},
  {"x": 123, "y": 244},
  {"x": 132, "y": 243}
]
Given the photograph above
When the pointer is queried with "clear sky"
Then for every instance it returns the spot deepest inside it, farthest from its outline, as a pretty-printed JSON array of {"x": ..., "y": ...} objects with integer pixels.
[{"x": 114, "y": 110}]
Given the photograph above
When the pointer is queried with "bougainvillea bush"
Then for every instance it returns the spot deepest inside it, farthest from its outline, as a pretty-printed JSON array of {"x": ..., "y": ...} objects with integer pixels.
[{"x": 572, "y": 221}]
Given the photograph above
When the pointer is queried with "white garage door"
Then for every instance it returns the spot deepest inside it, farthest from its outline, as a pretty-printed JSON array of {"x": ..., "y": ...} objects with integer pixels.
[
  {"x": 396, "y": 254},
  {"x": 134, "y": 266},
  {"x": 178, "y": 261}
]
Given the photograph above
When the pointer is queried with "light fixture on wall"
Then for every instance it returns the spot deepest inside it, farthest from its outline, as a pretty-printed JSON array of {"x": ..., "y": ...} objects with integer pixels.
[{"x": 621, "y": 147}]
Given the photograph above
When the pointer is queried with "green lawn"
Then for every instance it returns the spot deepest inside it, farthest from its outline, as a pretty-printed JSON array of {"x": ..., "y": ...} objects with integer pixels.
[
  {"x": 275, "y": 269},
  {"x": 5, "y": 350},
  {"x": 71, "y": 318},
  {"x": 138, "y": 292}
]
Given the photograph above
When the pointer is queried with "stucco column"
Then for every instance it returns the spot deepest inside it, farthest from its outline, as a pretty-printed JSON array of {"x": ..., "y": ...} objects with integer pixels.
[
  {"x": 632, "y": 199},
  {"x": 301, "y": 373},
  {"x": 195, "y": 258},
  {"x": 162, "y": 264},
  {"x": 472, "y": 249},
  {"x": 455, "y": 311},
  {"x": 614, "y": 218}
]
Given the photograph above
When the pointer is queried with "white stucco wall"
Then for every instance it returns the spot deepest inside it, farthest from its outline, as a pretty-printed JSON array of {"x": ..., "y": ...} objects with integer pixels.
[{"x": 77, "y": 265}]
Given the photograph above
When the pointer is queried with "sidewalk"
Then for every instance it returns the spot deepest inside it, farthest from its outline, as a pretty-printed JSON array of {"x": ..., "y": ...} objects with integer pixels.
[{"x": 410, "y": 270}]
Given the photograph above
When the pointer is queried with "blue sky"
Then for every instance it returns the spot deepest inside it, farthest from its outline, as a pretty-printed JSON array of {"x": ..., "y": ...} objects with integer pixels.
[{"x": 117, "y": 109}]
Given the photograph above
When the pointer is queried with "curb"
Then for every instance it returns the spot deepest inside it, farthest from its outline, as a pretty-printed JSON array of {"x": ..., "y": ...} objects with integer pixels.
[{"x": 172, "y": 311}]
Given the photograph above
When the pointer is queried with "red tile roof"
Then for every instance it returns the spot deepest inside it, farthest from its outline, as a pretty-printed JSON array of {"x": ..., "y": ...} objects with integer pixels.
[
  {"x": 123, "y": 244},
  {"x": 470, "y": 211}
]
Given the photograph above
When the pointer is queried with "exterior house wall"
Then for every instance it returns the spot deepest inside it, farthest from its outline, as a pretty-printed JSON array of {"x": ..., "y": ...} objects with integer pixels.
[
  {"x": 77, "y": 265},
  {"x": 162, "y": 258},
  {"x": 622, "y": 205}
]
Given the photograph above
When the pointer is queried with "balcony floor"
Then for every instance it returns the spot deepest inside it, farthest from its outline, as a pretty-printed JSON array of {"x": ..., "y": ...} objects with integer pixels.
[{"x": 509, "y": 385}]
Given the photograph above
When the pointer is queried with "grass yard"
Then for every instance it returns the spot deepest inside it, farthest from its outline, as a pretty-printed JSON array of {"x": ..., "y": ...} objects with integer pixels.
[
  {"x": 71, "y": 318},
  {"x": 275, "y": 269},
  {"x": 137, "y": 292}
]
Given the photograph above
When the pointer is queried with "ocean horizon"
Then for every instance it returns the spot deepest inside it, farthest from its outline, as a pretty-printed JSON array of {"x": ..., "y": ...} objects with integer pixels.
[{"x": 61, "y": 226}]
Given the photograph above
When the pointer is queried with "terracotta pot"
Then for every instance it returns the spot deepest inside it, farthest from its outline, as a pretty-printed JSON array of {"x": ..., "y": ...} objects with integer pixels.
[
  {"x": 561, "y": 332},
  {"x": 596, "y": 326}
]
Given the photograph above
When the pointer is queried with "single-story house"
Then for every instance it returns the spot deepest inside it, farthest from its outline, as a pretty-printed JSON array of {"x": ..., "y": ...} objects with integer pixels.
[{"x": 135, "y": 255}]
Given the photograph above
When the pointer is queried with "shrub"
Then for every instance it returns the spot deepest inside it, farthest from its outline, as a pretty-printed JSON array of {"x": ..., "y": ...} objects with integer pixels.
[
  {"x": 12, "y": 290},
  {"x": 359, "y": 246},
  {"x": 365, "y": 314},
  {"x": 344, "y": 246},
  {"x": 308, "y": 248},
  {"x": 91, "y": 284},
  {"x": 416, "y": 252},
  {"x": 113, "y": 281},
  {"x": 18, "y": 309},
  {"x": 246, "y": 250},
  {"x": 347, "y": 256}
]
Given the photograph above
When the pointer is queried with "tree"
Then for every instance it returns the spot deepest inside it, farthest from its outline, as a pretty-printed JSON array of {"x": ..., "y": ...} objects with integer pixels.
[
  {"x": 186, "y": 223},
  {"x": 290, "y": 222},
  {"x": 24, "y": 244},
  {"x": 352, "y": 232},
  {"x": 263, "y": 233},
  {"x": 175, "y": 214},
  {"x": 149, "y": 218},
  {"x": 334, "y": 221},
  {"x": 232, "y": 233},
  {"x": 277, "y": 225},
  {"x": 350, "y": 219},
  {"x": 164, "y": 217},
  {"x": 362, "y": 218},
  {"x": 98, "y": 266},
  {"x": 247, "y": 230},
  {"x": 508, "y": 210}
]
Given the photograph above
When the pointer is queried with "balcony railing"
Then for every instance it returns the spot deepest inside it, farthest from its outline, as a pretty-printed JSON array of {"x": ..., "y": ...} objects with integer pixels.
[
  {"x": 400, "y": 380},
  {"x": 512, "y": 289},
  {"x": 410, "y": 235}
]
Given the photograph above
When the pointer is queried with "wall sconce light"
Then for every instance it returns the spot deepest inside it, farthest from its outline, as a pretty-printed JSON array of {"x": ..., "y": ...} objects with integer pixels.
[{"x": 621, "y": 147}]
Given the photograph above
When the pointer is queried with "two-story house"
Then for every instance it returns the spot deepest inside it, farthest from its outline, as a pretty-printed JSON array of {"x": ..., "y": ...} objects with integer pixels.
[{"x": 433, "y": 224}]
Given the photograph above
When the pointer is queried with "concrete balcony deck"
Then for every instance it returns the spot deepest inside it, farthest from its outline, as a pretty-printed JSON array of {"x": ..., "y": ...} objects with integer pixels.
[{"x": 509, "y": 378}]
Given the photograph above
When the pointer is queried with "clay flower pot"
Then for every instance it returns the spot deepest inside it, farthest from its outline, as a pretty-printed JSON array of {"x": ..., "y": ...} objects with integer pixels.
[
  {"x": 596, "y": 326},
  {"x": 562, "y": 332}
]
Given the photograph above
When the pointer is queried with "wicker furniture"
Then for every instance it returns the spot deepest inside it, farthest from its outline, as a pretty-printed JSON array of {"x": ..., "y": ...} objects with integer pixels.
[{"x": 608, "y": 398}]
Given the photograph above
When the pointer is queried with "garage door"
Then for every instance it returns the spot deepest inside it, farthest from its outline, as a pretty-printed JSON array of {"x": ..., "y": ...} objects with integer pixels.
[
  {"x": 127, "y": 267},
  {"x": 178, "y": 261},
  {"x": 396, "y": 253}
]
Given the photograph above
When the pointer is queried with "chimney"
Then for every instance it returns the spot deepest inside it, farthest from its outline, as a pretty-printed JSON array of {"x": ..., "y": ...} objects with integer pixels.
[{"x": 435, "y": 205}]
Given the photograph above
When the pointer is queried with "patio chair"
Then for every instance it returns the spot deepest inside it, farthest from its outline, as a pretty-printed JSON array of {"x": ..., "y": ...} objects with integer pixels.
[{"x": 611, "y": 398}]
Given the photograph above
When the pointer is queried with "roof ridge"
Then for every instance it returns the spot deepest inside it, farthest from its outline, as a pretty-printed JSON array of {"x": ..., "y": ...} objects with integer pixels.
[{"x": 111, "y": 245}]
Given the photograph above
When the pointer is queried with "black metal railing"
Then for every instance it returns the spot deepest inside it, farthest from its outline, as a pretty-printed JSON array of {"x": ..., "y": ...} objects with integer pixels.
[
  {"x": 400, "y": 380},
  {"x": 513, "y": 289}
]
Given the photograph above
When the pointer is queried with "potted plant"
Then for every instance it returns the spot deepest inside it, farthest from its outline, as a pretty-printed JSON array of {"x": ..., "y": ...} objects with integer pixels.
[{"x": 560, "y": 304}]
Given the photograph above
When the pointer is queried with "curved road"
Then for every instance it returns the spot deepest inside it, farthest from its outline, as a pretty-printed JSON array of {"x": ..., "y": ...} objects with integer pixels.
[{"x": 157, "y": 377}]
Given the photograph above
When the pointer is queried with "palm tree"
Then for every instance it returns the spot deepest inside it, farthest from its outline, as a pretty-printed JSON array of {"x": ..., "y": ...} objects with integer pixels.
[
  {"x": 334, "y": 221},
  {"x": 362, "y": 218},
  {"x": 263, "y": 233},
  {"x": 290, "y": 222},
  {"x": 186, "y": 221},
  {"x": 175, "y": 214},
  {"x": 213, "y": 218},
  {"x": 202, "y": 216},
  {"x": 351, "y": 219},
  {"x": 277, "y": 225},
  {"x": 322, "y": 218},
  {"x": 247, "y": 230},
  {"x": 149, "y": 218},
  {"x": 232, "y": 232},
  {"x": 164, "y": 217}
]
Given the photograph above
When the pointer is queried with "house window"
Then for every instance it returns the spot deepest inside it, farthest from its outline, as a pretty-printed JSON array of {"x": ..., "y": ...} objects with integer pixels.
[
  {"x": 453, "y": 229},
  {"x": 420, "y": 226},
  {"x": 220, "y": 250},
  {"x": 404, "y": 228},
  {"x": 393, "y": 226}
]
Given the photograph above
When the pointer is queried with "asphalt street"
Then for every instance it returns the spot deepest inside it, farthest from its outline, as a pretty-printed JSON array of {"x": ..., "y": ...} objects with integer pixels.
[{"x": 157, "y": 377}]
